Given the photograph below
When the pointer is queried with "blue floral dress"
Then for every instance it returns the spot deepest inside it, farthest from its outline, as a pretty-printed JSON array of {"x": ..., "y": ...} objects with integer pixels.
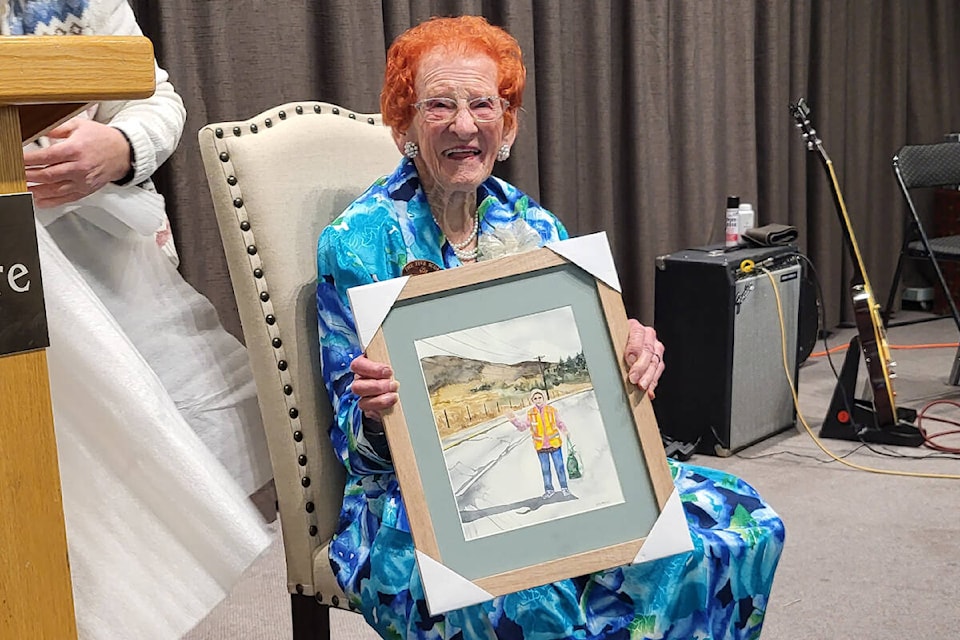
[{"x": 717, "y": 591}]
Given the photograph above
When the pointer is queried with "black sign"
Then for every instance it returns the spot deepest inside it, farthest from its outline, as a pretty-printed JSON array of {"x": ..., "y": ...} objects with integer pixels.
[{"x": 23, "y": 318}]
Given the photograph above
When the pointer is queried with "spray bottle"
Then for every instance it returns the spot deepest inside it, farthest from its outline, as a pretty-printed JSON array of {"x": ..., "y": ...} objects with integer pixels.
[{"x": 732, "y": 235}]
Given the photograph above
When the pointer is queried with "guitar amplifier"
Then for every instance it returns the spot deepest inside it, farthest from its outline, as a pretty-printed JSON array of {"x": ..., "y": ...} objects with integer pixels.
[{"x": 724, "y": 386}]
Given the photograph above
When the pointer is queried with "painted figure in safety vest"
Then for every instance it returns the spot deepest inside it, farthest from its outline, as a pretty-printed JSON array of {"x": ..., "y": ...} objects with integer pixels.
[{"x": 546, "y": 428}]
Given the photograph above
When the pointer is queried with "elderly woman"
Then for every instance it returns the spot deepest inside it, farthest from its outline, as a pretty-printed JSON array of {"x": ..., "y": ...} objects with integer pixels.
[{"x": 453, "y": 90}]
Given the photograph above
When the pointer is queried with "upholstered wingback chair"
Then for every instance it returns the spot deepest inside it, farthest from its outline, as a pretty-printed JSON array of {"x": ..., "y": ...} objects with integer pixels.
[{"x": 276, "y": 180}]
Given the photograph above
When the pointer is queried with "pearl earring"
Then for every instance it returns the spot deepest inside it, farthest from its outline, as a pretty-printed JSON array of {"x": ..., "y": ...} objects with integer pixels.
[
  {"x": 504, "y": 152},
  {"x": 411, "y": 149}
]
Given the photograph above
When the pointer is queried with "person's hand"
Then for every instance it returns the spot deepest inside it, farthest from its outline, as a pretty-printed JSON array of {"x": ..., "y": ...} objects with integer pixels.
[
  {"x": 373, "y": 382},
  {"x": 644, "y": 357},
  {"x": 87, "y": 156},
  {"x": 510, "y": 415}
]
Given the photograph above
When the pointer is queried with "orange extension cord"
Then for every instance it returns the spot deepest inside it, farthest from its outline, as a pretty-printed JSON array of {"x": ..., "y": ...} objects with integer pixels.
[{"x": 935, "y": 345}]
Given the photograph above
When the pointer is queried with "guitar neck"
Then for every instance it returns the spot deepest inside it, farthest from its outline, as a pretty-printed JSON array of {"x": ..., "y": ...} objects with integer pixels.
[{"x": 847, "y": 225}]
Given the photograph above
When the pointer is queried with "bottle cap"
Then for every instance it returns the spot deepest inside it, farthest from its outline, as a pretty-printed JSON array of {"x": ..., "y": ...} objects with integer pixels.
[{"x": 733, "y": 202}]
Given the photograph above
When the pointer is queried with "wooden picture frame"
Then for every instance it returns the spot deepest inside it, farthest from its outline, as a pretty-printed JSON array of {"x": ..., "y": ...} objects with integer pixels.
[{"x": 479, "y": 528}]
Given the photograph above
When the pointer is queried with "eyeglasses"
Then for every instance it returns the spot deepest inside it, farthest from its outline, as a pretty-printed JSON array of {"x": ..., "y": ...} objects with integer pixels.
[{"x": 444, "y": 110}]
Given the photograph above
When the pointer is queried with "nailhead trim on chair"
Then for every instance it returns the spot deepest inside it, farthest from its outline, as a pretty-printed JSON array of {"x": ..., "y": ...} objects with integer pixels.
[{"x": 257, "y": 271}]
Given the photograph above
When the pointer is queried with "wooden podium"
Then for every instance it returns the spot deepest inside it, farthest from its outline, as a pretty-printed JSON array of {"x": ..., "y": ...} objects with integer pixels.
[{"x": 43, "y": 82}]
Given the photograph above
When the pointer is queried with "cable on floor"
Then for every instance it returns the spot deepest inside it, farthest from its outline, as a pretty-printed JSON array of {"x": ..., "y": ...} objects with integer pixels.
[
  {"x": 929, "y": 439},
  {"x": 932, "y": 345}
]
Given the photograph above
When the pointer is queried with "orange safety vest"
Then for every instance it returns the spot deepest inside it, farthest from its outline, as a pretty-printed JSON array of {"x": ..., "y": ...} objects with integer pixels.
[{"x": 543, "y": 427}]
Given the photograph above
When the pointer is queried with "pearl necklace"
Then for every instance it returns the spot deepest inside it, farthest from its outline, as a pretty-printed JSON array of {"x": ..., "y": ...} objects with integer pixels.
[
  {"x": 470, "y": 254},
  {"x": 458, "y": 247},
  {"x": 470, "y": 238}
]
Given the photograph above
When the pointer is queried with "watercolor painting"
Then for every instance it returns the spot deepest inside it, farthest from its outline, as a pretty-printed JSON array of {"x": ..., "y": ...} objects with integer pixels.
[{"x": 522, "y": 436}]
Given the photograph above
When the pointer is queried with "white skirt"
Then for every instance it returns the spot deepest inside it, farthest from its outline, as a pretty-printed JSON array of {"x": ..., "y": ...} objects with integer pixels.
[{"x": 158, "y": 435}]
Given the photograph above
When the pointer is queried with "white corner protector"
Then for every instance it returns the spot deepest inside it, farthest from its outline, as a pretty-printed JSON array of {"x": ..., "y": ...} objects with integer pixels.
[
  {"x": 371, "y": 303},
  {"x": 445, "y": 589},
  {"x": 670, "y": 534},
  {"x": 592, "y": 254}
]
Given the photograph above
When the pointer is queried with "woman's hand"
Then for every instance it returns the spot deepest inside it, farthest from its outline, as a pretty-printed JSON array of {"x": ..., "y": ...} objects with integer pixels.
[
  {"x": 87, "y": 156},
  {"x": 644, "y": 357},
  {"x": 373, "y": 382}
]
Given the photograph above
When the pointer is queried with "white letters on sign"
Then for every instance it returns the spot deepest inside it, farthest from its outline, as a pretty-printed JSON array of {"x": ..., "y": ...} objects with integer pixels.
[{"x": 15, "y": 278}]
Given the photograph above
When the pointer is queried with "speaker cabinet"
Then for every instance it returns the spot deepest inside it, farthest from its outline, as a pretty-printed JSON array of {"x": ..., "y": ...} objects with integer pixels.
[{"x": 724, "y": 386}]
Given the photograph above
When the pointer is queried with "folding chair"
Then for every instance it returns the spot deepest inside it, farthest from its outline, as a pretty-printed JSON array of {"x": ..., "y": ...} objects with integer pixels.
[{"x": 925, "y": 166}]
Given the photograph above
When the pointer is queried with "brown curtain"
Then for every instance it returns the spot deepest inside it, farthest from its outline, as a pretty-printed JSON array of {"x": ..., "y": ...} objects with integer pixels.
[{"x": 639, "y": 117}]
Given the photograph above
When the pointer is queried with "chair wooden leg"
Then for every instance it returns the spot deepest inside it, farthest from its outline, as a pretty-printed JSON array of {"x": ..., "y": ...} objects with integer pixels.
[{"x": 311, "y": 620}]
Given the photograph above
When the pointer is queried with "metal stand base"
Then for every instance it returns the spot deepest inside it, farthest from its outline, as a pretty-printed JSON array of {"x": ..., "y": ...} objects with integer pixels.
[{"x": 850, "y": 418}]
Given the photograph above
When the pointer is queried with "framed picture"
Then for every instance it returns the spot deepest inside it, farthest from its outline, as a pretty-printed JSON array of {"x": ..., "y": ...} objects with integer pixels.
[{"x": 524, "y": 455}]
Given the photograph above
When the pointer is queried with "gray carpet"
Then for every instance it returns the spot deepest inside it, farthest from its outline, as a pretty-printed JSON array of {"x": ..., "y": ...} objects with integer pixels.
[{"x": 867, "y": 555}]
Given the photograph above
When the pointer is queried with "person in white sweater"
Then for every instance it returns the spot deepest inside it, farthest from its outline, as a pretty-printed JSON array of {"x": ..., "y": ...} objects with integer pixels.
[{"x": 158, "y": 429}]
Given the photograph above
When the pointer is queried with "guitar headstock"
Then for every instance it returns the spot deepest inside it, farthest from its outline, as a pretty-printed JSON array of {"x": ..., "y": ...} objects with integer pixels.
[{"x": 801, "y": 114}]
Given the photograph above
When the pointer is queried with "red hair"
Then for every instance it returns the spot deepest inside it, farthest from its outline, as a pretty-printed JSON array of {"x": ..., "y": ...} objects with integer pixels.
[{"x": 465, "y": 34}]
